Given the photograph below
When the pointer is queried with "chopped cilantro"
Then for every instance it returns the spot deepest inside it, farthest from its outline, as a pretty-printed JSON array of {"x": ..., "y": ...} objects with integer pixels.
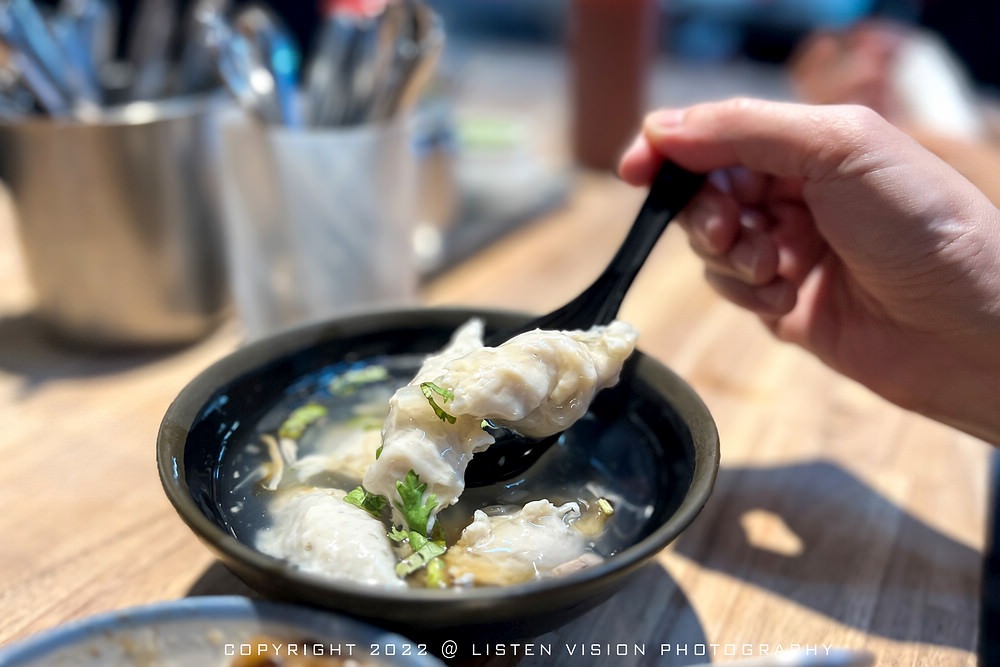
[
  {"x": 429, "y": 389},
  {"x": 369, "y": 502},
  {"x": 437, "y": 532},
  {"x": 417, "y": 541},
  {"x": 365, "y": 422},
  {"x": 424, "y": 552},
  {"x": 416, "y": 510},
  {"x": 446, "y": 394},
  {"x": 421, "y": 556},
  {"x": 347, "y": 382},
  {"x": 436, "y": 574},
  {"x": 300, "y": 419}
]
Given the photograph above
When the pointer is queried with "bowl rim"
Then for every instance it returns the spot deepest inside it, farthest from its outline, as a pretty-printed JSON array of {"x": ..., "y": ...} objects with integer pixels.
[
  {"x": 303, "y": 619},
  {"x": 196, "y": 395}
]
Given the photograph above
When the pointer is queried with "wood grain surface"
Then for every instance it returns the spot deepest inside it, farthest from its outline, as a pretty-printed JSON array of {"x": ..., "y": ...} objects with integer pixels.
[{"x": 837, "y": 519}]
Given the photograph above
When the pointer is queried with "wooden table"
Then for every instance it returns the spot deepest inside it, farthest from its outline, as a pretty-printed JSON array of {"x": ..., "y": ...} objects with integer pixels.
[{"x": 837, "y": 519}]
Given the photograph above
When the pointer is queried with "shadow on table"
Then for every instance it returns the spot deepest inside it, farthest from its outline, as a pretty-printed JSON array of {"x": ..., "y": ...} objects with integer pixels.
[
  {"x": 649, "y": 622},
  {"x": 863, "y": 561},
  {"x": 651, "y": 614},
  {"x": 218, "y": 580},
  {"x": 28, "y": 349}
]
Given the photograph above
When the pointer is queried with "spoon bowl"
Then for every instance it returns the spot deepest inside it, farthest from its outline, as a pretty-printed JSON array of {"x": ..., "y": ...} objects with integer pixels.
[{"x": 672, "y": 189}]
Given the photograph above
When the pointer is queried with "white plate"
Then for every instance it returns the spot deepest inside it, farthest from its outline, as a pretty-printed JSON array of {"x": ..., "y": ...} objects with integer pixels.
[{"x": 208, "y": 632}]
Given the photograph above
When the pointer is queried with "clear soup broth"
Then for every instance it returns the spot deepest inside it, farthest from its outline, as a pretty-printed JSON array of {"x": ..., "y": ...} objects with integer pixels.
[{"x": 607, "y": 454}]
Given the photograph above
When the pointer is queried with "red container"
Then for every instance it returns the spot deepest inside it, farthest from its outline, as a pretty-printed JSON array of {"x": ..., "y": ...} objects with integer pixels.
[{"x": 612, "y": 44}]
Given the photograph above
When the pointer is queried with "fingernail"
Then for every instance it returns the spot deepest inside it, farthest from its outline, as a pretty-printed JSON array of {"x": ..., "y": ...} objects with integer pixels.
[
  {"x": 745, "y": 257},
  {"x": 638, "y": 144},
  {"x": 704, "y": 218},
  {"x": 665, "y": 119},
  {"x": 777, "y": 295},
  {"x": 703, "y": 239}
]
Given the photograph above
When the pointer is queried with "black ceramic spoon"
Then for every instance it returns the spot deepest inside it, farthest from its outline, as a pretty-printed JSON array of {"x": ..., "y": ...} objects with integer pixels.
[{"x": 670, "y": 192}]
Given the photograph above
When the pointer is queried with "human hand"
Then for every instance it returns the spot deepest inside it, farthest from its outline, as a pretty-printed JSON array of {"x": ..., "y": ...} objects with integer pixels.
[
  {"x": 848, "y": 238},
  {"x": 853, "y": 66},
  {"x": 907, "y": 74}
]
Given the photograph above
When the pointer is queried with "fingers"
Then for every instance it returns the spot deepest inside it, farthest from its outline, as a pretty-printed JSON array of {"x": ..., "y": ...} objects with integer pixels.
[
  {"x": 854, "y": 66},
  {"x": 774, "y": 299},
  {"x": 712, "y": 221},
  {"x": 731, "y": 241},
  {"x": 799, "y": 246},
  {"x": 756, "y": 255}
]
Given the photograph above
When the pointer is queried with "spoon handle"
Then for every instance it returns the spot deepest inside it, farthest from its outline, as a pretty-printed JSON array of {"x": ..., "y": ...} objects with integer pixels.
[{"x": 671, "y": 190}]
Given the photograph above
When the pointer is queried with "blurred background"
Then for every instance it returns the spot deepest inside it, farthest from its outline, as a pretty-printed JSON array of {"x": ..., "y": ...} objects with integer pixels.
[
  {"x": 524, "y": 96},
  {"x": 700, "y": 30}
]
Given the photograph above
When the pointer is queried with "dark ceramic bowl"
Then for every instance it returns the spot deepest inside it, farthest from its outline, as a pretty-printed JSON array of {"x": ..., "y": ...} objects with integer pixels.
[{"x": 650, "y": 437}]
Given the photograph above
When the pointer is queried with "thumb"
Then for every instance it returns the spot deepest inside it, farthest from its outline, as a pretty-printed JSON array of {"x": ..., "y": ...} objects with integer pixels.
[{"x": 779, "y": 139}]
